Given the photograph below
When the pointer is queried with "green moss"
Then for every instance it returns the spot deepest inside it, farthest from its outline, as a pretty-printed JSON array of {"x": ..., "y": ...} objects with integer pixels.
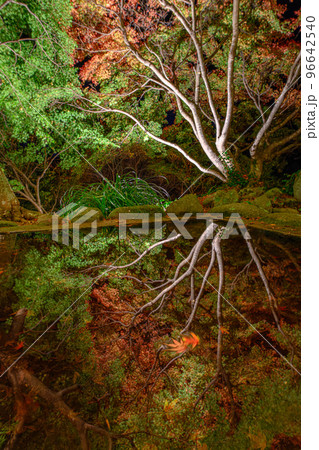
[
  {"x": 208, "y": 200},
  {"x": 96, "y": 215},
  {"x": 28, "y": 214},
  {"x": 243, "y": 209},
  {"x": 291, "y": 202},
  {"x": 251, "y": 192},
  {"x": 151, "y": 209},
  {"x": 221, "y": 197},
  {"x": 187, "y": 204},
  {"x": 290, "y": 220},
  {"x": 7, "y": 223},
  {"x": 263, "y": 202},
  {"x": 286, "y": 210},
  {"x": 273, "y": 194},
  {"x": 9, "y": 204},
  {"x": 297, "y": 187},
  {"x": 44, "y": 219}
]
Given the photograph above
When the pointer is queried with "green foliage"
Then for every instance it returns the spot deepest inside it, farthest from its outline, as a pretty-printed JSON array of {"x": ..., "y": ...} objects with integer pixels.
[
  {"x": 269, "y": 409},
  {"x": 37, "y": 85},
  {"x": 49, "y": 291},
  {"x": 15, "y": 185},
  {"x": 128, "y": 190},
  {"x": 171, "y": 421},
  {"x": 113, "y": 383},
  {"x": 165, "y": 203},
  {"x": 34, "y": 75}
]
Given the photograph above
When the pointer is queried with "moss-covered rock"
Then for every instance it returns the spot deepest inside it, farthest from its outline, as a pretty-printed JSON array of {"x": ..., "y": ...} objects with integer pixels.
[
  {"x": 187, "y": 204},
  {"x": 9, "y": 204},
  {"x": 281, "y": 200},
  {"x": 29, "y": 215},
  {"x": 290, "y": 220},
  {"x": 251, "y": 192},
  {"x": 221, "y": 197},
  {"x": 285, "y": 210},
  {"x": 44, "y": 219},
  {"x": 96, "y": 214},
  {"x": 274, "y": 193},
  {"x": 7, "y": 223},
  {"x": 289, "y": 202},
  {"x": 151, "y": 209},
  {"x": 208, "y": 200},
  {"x": 243, "y": 209},
  {"x": 297, "y": 187},
  {"x": 263, "y": 202},
  {"x": 276, "y": 197}
]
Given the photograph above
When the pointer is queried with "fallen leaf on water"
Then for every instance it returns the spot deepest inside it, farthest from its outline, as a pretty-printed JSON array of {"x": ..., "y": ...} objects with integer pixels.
[
  {"x": 192, "y": 340},
  {"x": 178, "y": 347},
  {"x": 182, "y": 345}
]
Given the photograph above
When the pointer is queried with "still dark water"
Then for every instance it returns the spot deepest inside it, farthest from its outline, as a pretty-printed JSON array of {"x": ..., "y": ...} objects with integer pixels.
[
  {"x": 274, "y": 249},
  {"x": 279, "y": 255}
]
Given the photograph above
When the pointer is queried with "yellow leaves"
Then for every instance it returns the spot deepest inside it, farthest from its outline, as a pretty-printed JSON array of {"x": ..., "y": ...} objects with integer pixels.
[
  {"x": 258, "y": 440},
  {"x": 182, "y": 345},
  {"x": 108, "y": 424}
]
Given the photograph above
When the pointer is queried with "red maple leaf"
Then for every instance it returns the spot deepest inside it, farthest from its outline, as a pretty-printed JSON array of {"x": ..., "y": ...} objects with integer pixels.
[
  {"x": 19, "y": 345},
  {"x": 182, "y": 345}
]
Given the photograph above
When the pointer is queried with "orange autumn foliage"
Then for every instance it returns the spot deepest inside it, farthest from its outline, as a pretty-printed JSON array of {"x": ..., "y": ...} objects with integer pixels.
[{"x": 183, "y": 345}]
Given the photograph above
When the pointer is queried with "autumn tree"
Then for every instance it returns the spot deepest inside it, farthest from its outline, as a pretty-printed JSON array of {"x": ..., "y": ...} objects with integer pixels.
[{"x": 208, "y": 61}]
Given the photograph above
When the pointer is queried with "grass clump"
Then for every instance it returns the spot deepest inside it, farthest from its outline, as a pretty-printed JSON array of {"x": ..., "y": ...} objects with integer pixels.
[{"x": 128, "y": 190}]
